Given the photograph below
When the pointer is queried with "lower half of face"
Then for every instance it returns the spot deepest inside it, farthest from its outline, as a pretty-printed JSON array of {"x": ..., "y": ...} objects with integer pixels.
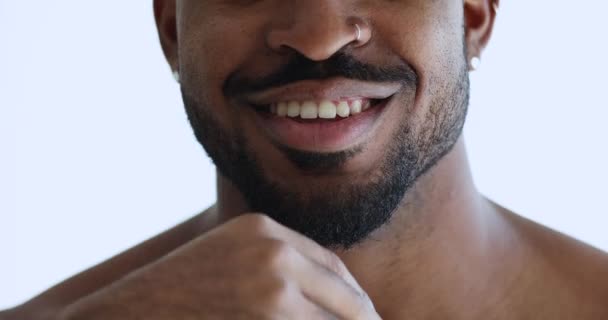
[
  {"x": 336, "y": 198},
  {"x": 339, "y": 177}
]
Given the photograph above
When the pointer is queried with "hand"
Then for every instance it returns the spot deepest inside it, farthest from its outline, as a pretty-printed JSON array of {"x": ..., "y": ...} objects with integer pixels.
[{"x": 248, "y": 268}]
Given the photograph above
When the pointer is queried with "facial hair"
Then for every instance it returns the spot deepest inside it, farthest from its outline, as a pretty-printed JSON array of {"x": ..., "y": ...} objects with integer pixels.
[{"x": 347, "y": 214}]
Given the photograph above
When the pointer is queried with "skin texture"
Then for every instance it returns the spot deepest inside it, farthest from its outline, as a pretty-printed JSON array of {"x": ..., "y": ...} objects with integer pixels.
[
  {"x": 426, "y": 117},
  {"x": 447, "y": 252}
]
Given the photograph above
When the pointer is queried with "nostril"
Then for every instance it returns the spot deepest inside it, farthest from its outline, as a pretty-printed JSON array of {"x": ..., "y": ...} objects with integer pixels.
[{"x": 319, "y": 40}]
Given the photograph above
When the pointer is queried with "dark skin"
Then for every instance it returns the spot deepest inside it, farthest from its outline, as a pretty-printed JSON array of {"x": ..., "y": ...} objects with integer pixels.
[{"x": 448, "y": 252}]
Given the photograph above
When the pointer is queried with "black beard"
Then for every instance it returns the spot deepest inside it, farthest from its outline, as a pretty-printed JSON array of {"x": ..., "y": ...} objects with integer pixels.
[{"x": 348, "y": 213}]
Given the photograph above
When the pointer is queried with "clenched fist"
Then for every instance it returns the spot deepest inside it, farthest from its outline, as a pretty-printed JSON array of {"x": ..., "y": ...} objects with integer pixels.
[{"x": 248, "y": 268}]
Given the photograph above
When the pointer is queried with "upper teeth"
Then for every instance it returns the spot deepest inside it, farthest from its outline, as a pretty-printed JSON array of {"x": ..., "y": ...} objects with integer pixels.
[{"x": 324, "y": 109}]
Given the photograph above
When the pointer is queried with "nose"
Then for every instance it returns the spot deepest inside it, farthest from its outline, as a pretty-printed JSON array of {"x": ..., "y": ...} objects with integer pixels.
[{"x": 317, "y": 29}]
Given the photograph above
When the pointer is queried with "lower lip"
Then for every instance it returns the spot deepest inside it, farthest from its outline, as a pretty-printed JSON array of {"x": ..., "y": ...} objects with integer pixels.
[{"x": 321, "y": 135}]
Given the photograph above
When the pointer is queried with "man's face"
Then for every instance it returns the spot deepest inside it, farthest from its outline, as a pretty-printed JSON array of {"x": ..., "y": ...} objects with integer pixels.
[{"x": 335, "y": 180}]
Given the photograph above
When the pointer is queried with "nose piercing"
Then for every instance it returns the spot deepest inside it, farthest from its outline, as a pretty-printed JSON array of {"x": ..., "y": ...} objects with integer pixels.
[{"x": 358, "y": 34}]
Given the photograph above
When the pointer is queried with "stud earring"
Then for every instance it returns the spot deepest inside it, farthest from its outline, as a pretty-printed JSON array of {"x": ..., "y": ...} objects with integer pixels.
[
  {"x": 176, "y": 76},
  {"x": 475, "y": 63}
]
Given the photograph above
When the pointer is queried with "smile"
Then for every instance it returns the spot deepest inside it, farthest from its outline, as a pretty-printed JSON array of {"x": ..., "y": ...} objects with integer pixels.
[
  {"x": 321, "y": 127},
  {"x": 325, "y": 109},
  {"x": 322, "y": 116}
]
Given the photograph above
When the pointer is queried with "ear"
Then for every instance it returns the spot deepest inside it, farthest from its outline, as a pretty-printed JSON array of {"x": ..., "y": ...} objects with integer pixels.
[
  {"x": 479, "y": 21},
  {"x": 166, "y": 23}
]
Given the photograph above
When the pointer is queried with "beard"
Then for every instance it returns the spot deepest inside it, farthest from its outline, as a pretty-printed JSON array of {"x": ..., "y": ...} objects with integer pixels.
[{"x": 340, "y": 215}]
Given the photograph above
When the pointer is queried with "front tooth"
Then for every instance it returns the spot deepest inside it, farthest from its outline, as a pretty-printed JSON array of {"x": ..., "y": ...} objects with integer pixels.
[
  {"x": 282, "y": 109},
  {"x": 343, "y": 110},
  {"x": 327, "y": 110},
  {"x": 356, "y": 106},
  {"x": 293, "y": 109},
  {"x": 309, "y": 110}
]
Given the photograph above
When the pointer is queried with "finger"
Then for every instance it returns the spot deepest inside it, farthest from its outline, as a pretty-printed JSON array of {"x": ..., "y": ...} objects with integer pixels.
[
  {"x": 291, "y": 303},
  {"x": 313, "y": 250},
  {"x": 329, "y": 291},
  {"x": 309, "y": 310}
]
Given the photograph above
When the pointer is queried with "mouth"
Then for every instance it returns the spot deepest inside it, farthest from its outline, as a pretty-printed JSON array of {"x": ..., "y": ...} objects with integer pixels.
[
  {"x": 320, "y": 126},
  {"x": 311, "y": 111}
]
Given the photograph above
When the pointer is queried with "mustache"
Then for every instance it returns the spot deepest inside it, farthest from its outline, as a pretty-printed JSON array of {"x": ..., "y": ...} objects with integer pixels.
[{"x": 300, "y": 68}]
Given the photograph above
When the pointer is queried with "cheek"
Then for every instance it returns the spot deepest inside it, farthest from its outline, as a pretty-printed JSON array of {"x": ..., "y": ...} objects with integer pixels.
[
  {"x": 427, "y": 34},
  {"x": 210, "y": 48}
]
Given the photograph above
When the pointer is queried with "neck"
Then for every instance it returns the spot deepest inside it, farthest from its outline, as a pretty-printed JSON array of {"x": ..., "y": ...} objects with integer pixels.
[{"x": 424, "y": 257}]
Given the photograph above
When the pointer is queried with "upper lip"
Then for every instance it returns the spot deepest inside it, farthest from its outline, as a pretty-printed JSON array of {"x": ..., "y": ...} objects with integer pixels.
[{"x": 329, "y": 89}]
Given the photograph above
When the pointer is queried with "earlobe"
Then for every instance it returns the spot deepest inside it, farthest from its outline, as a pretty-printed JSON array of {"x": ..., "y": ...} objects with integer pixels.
[
  {"x": 495, "y": 6},
  {"x": 166, "y": 24},
  {"x": 479, "y": 21}
]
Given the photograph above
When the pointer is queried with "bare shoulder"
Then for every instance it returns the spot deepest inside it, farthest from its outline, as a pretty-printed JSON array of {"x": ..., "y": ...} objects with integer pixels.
[
  {"x": 109, "y": 271},
  {"x": 565, "y": 278}
]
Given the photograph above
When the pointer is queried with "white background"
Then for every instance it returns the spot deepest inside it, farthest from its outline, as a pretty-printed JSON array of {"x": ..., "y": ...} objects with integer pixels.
[{"x": 97, "y": 155}]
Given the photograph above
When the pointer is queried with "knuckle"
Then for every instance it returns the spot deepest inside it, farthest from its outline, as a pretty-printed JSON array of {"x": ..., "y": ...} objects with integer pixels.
[
  {"x": 256, "y": 222},
  {"x": 277, "y": 255},
  {"x": 334, "y": 263}
]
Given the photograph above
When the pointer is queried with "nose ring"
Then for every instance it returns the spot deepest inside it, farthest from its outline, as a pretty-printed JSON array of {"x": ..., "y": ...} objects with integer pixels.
[{"x": 358, "y": 32}]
